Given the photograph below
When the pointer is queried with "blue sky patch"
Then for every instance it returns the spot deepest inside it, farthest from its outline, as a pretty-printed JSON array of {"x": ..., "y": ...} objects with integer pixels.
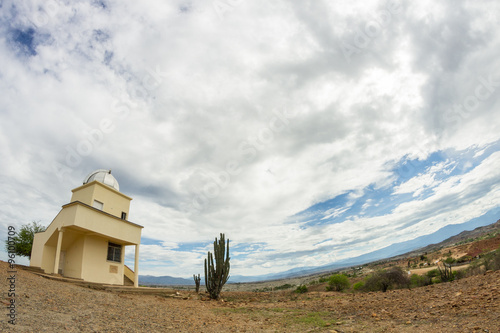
[{"x": 24, "y": 41}]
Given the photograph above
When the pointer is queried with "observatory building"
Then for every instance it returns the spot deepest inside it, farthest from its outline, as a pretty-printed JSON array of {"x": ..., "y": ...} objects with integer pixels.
[{"x": 87, "y": 239}]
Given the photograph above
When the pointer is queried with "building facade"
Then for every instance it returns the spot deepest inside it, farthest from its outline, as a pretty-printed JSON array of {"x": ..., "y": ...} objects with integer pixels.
[{"x": 87, "y": 239}]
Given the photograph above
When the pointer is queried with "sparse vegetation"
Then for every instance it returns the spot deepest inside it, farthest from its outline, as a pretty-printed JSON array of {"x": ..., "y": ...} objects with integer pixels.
[
  {"x": 23, "y": 241},
  {"x": 323, "y": 279},
  {"x": 491, "y": 261},
  {"x": 313, "y": 319},
  {"x": 284, "y": 286},
  {"x": 433, "y": 273},
  {"x": 419, "y": 281},
  {"x": 445, "y": 274},
  {"x": 385, "y": 279},
  {"x": 313, "y": 310},
  {"x": 358, "y": 285},
  {"x": 449, "y": 260},
  {"x": 338, "y": 282},
  {"x": 280, "y": 287},
  {"x": 464, "y": 259},
  {"x": 301, "y": 289}
]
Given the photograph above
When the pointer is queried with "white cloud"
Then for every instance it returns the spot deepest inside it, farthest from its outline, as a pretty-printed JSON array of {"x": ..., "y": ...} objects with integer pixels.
[{"x": 184, "y": 91}]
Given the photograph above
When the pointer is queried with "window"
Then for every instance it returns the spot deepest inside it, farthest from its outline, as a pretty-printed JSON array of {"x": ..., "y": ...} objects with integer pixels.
[
  {"x": 114, "y": 252},
  {"x": 98, "y": 204},
  {"x": 124, "y": 216}
]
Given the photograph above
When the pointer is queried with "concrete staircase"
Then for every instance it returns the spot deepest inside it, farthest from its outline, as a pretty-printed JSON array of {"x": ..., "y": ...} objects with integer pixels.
[
  {"x": 127, "y": 281},
  {"x": 31, "y": 269}
]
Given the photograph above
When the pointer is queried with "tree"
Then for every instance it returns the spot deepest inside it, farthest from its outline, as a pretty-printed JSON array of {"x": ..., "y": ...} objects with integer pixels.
[
  {"x": 23, "y": 241},
  {"x": 338, "y": 282},
  {"x": 384, "y": 279},
  {"x": 217, "y": 275}
]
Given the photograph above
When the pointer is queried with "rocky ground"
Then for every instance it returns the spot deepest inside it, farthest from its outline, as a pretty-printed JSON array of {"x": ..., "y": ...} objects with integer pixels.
[{"x": 43, "y": 305}]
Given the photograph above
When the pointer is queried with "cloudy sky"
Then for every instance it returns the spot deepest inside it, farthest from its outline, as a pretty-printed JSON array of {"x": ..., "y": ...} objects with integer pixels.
[{"x": 307, "y": 131}]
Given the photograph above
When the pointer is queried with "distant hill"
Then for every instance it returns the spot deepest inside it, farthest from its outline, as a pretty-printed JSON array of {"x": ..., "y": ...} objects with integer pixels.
[
  {"x": 394, "y": 251},
  {"x": 150, "y": 280},
  {"x": 461, "y": 237}
]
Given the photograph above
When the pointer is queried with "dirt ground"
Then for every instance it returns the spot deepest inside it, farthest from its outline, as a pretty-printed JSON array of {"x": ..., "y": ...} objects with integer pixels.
[{"x": 43, "y": 305}]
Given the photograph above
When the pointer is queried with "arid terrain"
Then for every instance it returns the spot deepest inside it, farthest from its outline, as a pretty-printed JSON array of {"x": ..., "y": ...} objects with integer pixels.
[
  {"x": 470, "y": 304},
  {"x": 467, "y": 305}
]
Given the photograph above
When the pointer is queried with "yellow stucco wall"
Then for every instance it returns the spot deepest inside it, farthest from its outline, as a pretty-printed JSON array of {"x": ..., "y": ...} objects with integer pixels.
[
  {"x": 44, "y": 243},
  {"x": 73, "y": 260},
  {"x": 49, "y": 254},
  {"x": 83, "y": 194},
  {"x": 114, "y": 202},
  {"x": 37, "y": 250},
  {"x": 86, "y": 233},
  {"x": 94, "y": 220},
  {"x": 95, "y": 266}
]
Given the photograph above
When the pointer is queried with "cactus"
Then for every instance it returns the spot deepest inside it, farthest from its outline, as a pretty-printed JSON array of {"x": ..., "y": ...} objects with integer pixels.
[
  {"x": 445, "y": 273},
  {"x": 197, "y": 280},
  {"x": 217, "y": 275}
]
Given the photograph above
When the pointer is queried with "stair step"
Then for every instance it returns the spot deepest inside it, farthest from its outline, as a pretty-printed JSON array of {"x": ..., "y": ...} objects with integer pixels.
[{"x": 31, "y": 268}]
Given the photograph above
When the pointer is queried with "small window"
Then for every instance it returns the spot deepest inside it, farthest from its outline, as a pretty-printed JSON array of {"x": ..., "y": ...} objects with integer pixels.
[
  {"x": 98, "y": 204},
  {"x": 114, "y": 252},
  {"x": 124, "y": 216}
]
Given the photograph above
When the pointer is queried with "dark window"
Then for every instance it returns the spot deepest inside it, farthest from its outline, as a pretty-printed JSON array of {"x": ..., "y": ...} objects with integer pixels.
[
  {"x": 124, "y": 216},
  {"x": 114, "y": 252}
]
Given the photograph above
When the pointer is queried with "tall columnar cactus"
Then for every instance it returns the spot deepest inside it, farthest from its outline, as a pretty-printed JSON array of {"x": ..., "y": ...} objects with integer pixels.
[
  {"x": 445, "y": 273},
  {"x": 217, "y": 275},
  {"x": 197, "y": 280}
]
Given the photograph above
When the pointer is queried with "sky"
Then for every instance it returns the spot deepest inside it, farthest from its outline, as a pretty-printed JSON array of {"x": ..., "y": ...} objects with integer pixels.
[{"x": 307, "y": 132}]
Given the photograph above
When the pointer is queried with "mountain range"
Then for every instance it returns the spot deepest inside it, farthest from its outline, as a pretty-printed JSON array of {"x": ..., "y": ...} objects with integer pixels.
[{"x": 446, "y": 236}]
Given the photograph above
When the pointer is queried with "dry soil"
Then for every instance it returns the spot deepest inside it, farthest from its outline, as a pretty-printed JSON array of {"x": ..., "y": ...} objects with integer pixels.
[{"x": 42, "y": 305}]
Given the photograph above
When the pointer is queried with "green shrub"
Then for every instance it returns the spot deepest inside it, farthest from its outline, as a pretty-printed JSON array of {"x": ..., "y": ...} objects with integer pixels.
[
  {"x": 385, "y": 279},
  {"x": 323, "y": 279},
  {"x": 419, "y": 281},
  {"x": 450, "y": 260},
  {"x": 301, "y": 289},
  {"x": 464, "y": 259},
  {"x": 456, "y": 275},
  {"x": 433, "y": 273},
  {"x": 492, "y": 261},
  {"x": 358, "y": 285},
  {"x": 284, "y": 286},
  {"x": 475, "y": 268},
  {"x": 338, "y": 282}
]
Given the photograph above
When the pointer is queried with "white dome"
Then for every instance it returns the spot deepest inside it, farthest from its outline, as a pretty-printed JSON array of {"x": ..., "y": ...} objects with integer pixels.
[{"x": 104, "y": 176}]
